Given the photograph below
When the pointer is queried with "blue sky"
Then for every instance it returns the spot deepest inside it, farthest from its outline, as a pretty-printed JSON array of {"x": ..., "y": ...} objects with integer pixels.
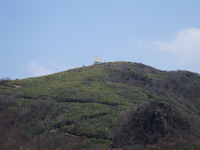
[{"x": 39, "y": 37}]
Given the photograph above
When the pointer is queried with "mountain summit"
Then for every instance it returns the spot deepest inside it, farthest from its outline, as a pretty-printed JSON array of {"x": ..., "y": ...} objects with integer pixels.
[{"x": 116, "y": 105}]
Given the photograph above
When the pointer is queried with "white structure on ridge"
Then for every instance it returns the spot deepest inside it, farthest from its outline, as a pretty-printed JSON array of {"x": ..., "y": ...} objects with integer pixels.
[{"x": 97, "y": 60}]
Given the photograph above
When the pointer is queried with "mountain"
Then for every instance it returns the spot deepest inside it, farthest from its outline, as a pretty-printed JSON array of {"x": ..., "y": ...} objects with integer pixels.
[{"x": 116, "y": 105}]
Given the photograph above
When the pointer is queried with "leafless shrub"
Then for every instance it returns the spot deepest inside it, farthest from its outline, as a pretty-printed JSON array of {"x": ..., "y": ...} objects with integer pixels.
[
  {"x": 5, "y": 81},
  {"x": 151, "y": 123}
]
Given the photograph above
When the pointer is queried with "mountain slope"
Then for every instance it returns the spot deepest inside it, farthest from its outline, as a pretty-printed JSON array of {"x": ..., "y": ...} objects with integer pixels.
[{"x": 93, "y": 105}]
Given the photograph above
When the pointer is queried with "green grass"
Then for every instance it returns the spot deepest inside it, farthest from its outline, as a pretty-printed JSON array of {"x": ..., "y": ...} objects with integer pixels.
[
  {"x": 156, "y": 76},
  {"x": 90, "y": 106}
]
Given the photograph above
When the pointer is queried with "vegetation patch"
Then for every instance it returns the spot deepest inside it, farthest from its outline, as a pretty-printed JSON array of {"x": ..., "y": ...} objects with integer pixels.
[{"x": 131, "y": 105}]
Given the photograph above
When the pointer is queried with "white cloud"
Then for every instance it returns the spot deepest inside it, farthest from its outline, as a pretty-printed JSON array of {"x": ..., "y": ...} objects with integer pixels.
[
  {"x": 186, "y": 40},
  {"x": 185, "y": 45},
  {"x": 38, "y": 70}
]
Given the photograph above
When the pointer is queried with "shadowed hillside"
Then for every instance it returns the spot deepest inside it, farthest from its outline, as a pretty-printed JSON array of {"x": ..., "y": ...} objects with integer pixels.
[{"x": 120, "y": 105}]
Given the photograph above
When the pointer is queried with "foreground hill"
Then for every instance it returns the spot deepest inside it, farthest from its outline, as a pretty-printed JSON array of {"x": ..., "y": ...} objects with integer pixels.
[{"x": 120, "y": 105}]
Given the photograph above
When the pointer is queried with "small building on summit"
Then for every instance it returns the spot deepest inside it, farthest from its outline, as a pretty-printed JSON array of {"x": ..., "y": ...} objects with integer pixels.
[{"x": 97, "y": 60}]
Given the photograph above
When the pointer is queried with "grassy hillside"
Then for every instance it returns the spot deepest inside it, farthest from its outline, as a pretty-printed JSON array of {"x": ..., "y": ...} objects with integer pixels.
[{"x": 89, "y": 107}]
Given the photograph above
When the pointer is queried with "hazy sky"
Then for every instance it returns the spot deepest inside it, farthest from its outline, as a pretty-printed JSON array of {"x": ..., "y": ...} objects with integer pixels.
[{"x": 39, "y": 37}]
